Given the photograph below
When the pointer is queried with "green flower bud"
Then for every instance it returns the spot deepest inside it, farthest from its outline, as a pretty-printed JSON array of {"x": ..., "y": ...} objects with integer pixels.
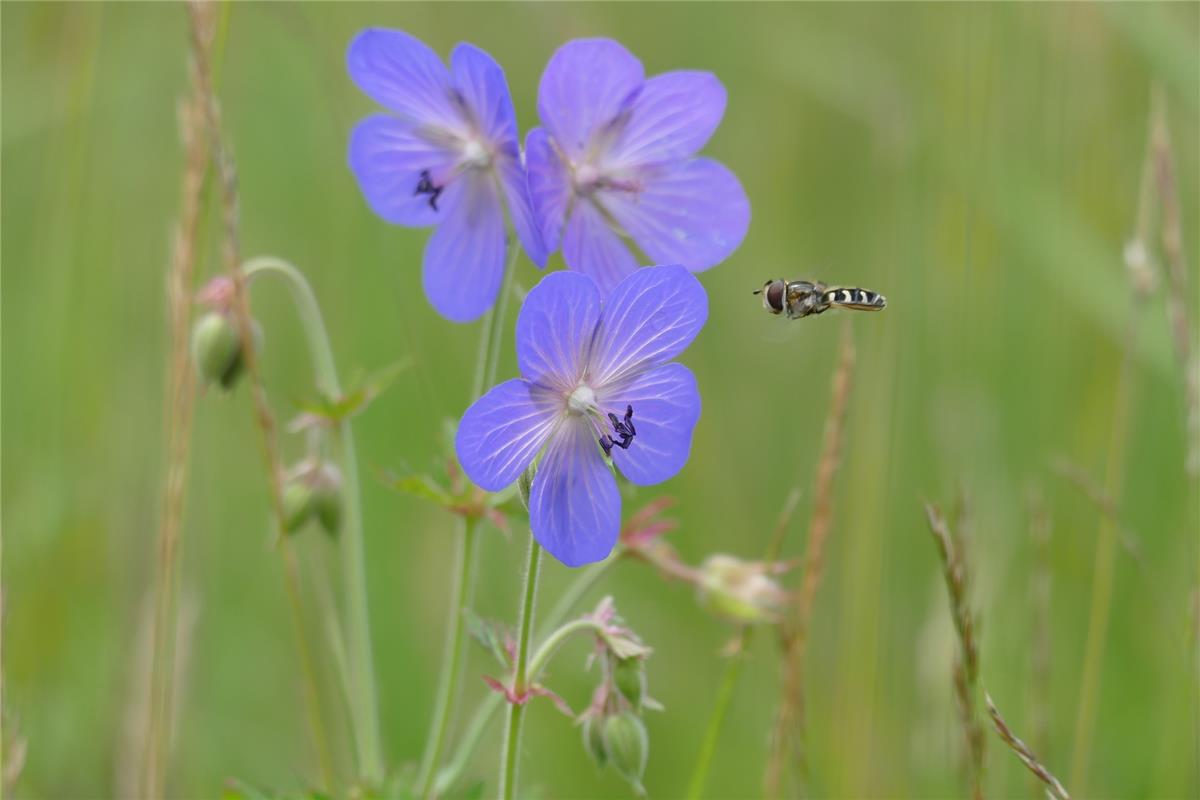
[
  {"x": 298, "y": 503},
  {"x": 327, "y": 499},
  {"x": 217, "y": 349},
  {"x": 630, "y": 676},
  {"x": 627, "y": 746},
  {"x": 739, "y": 591},
  {"x": 593, "y": 739}
]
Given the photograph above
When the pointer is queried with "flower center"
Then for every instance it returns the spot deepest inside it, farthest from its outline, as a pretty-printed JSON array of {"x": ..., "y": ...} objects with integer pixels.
[
  {"x": 587, "y": 179},
  {"x": 475, "y": 155},
  {"x": 582, "y": 400}
]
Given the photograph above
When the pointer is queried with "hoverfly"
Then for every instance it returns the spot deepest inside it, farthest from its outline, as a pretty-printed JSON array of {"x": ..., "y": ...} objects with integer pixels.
[{"x": 802, "y": 298}]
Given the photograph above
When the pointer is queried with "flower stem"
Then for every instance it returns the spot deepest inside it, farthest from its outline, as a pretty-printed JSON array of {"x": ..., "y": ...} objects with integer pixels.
[
  {"x": 483, "y": 714},
  {"x": 709, "y": 746},
  {"x": 452, "y": 657},
  {"x": 486, "y": 365},
  {"x": 363, "y": 704},
  {"x": 553, "y": 641},
  {"x": 516, "y": 711}
]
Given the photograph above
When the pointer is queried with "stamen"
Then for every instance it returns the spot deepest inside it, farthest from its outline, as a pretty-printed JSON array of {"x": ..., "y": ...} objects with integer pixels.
[
  {"x": 623, "y": 428},
  {"x": 427, "y": 186}
]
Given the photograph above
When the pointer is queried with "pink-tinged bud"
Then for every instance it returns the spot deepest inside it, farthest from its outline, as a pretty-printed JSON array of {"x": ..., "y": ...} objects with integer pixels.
[
  {"x": 628, "y": 747},
  {"x": 739, "y": 591},
  {"x": 218, "y": 294},
  {"x": 629, "y": 674}
]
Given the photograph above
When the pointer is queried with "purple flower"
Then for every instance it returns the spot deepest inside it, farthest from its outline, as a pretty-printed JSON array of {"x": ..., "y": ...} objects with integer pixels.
[
  {"x": 595, "y": 380},
  {"x": 615, "y": 159},
  {"x": 449, "y": 157}
]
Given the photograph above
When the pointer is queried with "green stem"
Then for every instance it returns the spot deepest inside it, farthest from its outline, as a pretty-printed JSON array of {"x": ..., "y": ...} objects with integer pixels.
[
  {"x": 544, "y": 653},
  {"x": 487, "y": 363},
  {"x": 491, "y": 703},
  {"x": 516, "y": 711},
  {"x": 364, "y": 706},
  {"x": 709, "y": 746},
  {"x": 452, "y": 657}
]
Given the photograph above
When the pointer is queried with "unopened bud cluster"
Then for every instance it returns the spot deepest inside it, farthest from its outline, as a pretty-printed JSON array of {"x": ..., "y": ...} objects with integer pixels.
[{"x": 613, "y": 731}]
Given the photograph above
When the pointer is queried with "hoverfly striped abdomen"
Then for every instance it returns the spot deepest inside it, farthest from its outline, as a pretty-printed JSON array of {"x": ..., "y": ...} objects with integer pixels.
[{"x": 857, "y": 299}]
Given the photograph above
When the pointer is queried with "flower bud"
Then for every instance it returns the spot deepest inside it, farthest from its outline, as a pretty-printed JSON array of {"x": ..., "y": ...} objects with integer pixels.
[
  {"x": 629, "y": 674},
  {"x": 739, "y": 591},
  {"x": 217, "y": 350},
  {"x": 593, "y": 739},
  {"x": 298, "y": 503},
  {"x": 327, "y": 499},
  {"x": 627, "y": 746}
]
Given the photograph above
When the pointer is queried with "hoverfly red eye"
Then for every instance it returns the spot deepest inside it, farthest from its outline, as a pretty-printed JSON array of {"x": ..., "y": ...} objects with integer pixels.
[{"x": 775, "y": 291}]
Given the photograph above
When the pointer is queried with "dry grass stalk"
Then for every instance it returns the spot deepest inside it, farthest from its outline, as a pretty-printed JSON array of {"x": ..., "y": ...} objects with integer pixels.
[
  {"x": 202, "y": 28},
  {"x": 788, "y": 735},
  {"x": 1040, "y": 651},
  {"x": 1178, "y": 307},
  {"x": 1053, "y": 787},
  {"x": 180, "y": 395},
  {"x": 966, "y": 667}
]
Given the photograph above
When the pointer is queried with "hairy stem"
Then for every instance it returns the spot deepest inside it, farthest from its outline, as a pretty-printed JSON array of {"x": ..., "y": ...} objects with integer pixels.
[
  {"x": 486, "y": 366},
  {"x": 516, "y": 711},
  {"x": 363, "y": 703}
]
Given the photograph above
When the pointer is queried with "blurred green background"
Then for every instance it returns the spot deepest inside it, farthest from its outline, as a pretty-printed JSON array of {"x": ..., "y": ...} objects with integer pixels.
[{"x": 979, "y": 164}]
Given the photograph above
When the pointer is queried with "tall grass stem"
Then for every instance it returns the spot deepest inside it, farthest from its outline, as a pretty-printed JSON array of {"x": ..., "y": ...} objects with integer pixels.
[
  {"x": 180, "y": 395},
  {"x": 1104, "y": 565},
  {"x": 790, "y": 720}
]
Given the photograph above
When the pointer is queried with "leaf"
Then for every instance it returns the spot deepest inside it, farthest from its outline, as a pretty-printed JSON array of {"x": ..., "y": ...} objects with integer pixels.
[
  {"x": 333, "y": 410},
  {"x": 489, "y": 634},
  {"x": 424, "y": 487}
]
